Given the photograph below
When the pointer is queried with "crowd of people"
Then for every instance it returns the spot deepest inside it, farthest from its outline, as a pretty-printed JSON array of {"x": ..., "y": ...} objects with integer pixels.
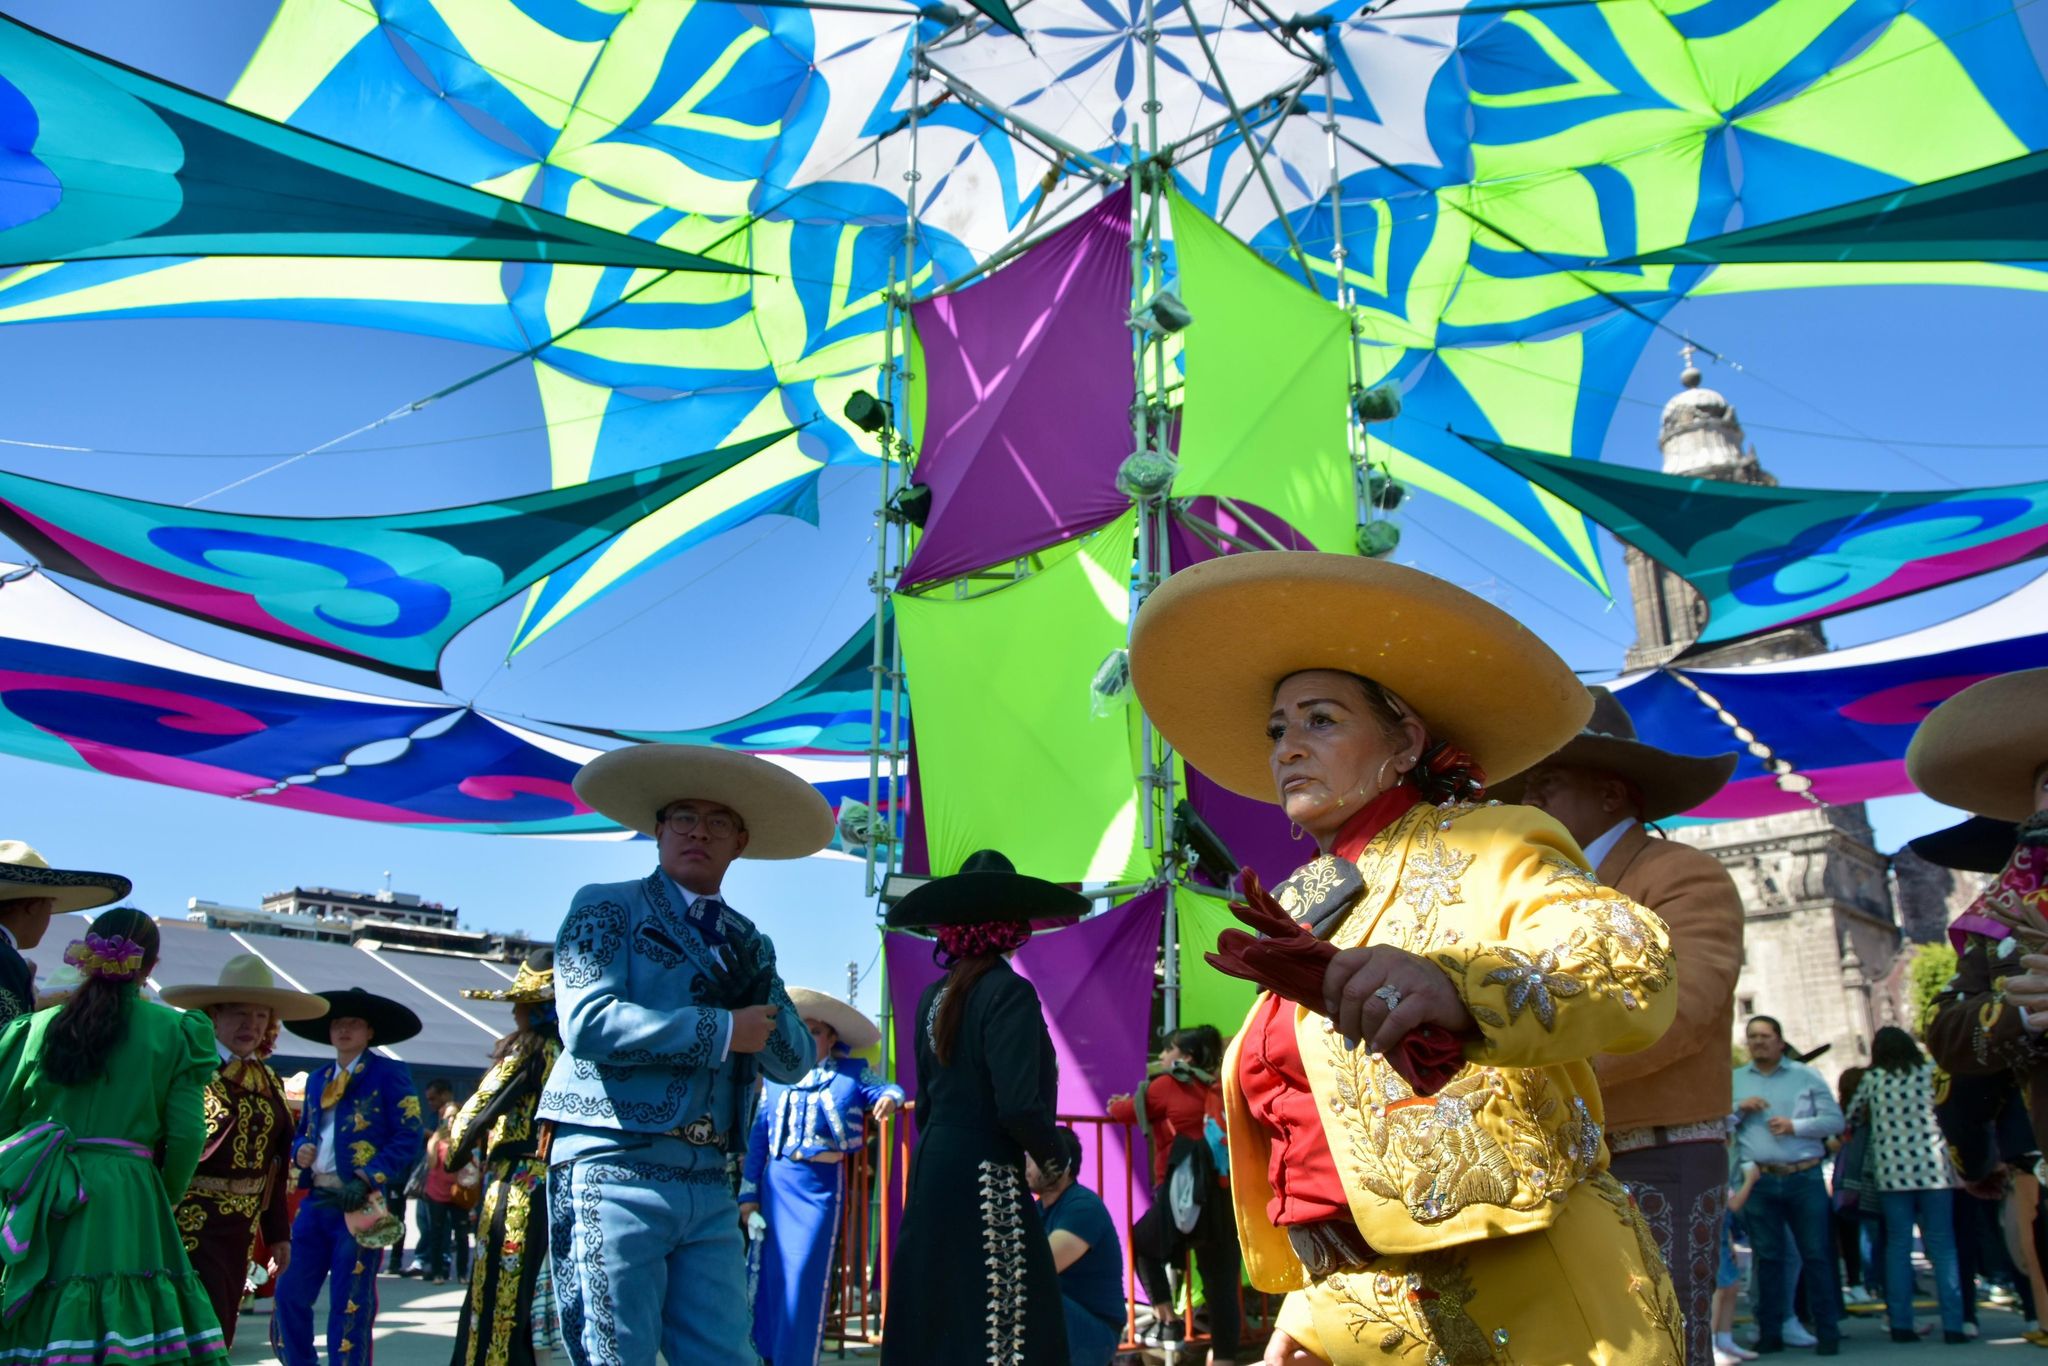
[{"x": 1480, "y": 1110}]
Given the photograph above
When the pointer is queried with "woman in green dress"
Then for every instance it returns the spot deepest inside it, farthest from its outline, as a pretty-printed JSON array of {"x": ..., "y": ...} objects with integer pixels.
[{"x": 101, "y": 1101}]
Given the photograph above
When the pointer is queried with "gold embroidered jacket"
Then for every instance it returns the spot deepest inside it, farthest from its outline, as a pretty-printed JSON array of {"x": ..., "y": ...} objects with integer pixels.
[
  {"x": 240, "y": 1182},
  {"x": 1553, "y": 967}
]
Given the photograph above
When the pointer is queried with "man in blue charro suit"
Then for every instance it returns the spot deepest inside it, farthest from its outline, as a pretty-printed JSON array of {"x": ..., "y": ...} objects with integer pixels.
[
  {"x": 359, "y": 1135},
  {"x": 671, "y": 1010}
]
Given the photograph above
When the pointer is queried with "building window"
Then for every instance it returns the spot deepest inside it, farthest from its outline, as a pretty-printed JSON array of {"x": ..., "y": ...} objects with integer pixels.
[{"x": 1745, "y": 1006}]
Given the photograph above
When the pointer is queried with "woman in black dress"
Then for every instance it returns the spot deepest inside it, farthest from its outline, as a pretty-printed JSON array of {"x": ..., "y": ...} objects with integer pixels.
[{"x": 973, "y": 1277}]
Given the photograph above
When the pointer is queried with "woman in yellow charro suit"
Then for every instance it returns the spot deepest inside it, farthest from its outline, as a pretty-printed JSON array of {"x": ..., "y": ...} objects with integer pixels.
[{"x": 1416, "y": 1153}]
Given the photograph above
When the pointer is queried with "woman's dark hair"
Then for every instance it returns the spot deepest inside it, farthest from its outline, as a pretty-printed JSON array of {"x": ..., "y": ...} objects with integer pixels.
[
  {"x": 1202, "y": 1044},
  {"x": 1846, "y": 1084},
  {"x": 95, "y": 1019},
  {"x": 1893, "y": 1050},
  {"x": 960, "y": 980}
]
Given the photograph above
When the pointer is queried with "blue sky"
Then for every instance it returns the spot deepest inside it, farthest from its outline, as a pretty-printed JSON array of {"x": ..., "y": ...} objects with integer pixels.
[{"x": 1832, "y": 384}]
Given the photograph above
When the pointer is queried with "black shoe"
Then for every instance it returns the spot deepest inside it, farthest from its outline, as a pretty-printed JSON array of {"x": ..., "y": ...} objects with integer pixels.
[
  {"x": 1904, "y": 1335},
  {"x": 1764, "y": 1349},
  {"x": 1955, "y": 1339},
  {"x": 1833, "y": 1347}
]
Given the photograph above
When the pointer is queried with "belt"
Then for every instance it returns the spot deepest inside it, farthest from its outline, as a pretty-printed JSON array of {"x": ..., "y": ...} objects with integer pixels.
[
  {"x": 697, "y": 1131},
  {"x": 1787, "y": 1168},
  {"x": 231, "y": 1185},
  {"x": 1329, "y": 1246},
  {"x": 1664, "y": 1135},
  {"x": 327, "y": 1181}
]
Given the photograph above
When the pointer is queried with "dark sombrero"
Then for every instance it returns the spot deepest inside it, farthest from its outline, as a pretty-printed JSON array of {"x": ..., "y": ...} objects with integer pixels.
[
  {"x": 1669, "y": 782},
  {"x": 1978, "y": 845},
  {"x": 389, "y": 1021},
  {"x": 987, "y": 889}
]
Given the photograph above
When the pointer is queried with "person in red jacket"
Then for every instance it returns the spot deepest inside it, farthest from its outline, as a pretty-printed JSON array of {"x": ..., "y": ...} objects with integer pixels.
[{"x": 1180, "y": 1098}]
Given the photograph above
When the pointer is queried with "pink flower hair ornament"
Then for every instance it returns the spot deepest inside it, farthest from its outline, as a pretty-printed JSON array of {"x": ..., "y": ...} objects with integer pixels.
[{"x": 116, "y": 959}]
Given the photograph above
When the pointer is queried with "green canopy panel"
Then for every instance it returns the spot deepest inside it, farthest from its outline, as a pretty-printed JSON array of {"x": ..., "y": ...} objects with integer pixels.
[
  {"x": 1010, "y": 752},
  {"x": 1206, "y": 995}
]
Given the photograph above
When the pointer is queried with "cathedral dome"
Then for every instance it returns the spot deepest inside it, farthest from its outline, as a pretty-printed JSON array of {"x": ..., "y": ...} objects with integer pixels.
[{"x": 1700, "y": 433}]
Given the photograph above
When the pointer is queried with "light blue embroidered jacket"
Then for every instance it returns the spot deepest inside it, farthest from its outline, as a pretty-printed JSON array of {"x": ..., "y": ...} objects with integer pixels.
[
  {"x": 645, "y": 1047},
  {"x": 823, "y": 1113}
]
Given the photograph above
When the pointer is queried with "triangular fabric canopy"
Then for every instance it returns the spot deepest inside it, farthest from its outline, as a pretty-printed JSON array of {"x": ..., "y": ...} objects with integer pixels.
[
  {"x": 1010, "y": 753},
  {"x": 384, "y": 592},
  {"x": 99, "y": 160},
  {"x": 1269, "y": 381},
  {"x": 1999, "y": 213},
  {"x": 1766, "y": 556},
  {"x": 1838, "y": 723},
  {"x": 1026, "y": 387}
]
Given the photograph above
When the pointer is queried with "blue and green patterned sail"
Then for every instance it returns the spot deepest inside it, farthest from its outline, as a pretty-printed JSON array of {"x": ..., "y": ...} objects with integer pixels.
[
  {"x": 98, "y": 160},
  {"x": 1766, "y": 556},
  {"x": 386, "y": 592}
]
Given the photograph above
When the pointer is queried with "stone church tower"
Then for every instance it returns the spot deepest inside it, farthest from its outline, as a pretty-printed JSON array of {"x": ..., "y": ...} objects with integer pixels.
[{"x": 1821, "y": 930}]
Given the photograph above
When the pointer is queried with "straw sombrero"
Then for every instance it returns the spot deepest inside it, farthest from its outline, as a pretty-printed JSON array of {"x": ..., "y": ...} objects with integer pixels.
[
  {"x": 1212, "y": 642},
  {"x": 24, "y": 874},
  {"x": 1980, "y": 750},
  {"x": 246, "y": 978},
  {"x": 1669, "y": 782},
  {"x": 987, "y": 889},
  {"x": 854, "y": 1029},
  {"x": 390, "y": 1022},
  {"x": 535, "y": 982},
  {"x": 785, "y": 816}
]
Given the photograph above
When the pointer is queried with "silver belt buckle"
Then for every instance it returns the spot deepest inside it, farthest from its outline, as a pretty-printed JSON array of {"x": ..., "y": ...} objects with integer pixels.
[{"x": 699, "y": 1131}]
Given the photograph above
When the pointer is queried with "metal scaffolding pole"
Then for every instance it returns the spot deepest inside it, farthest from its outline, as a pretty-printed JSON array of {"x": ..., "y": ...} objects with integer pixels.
[{"x": 1354, "y": 429}]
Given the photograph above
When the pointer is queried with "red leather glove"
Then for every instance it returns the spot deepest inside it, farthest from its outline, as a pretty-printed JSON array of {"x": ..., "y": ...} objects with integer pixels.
[{"x": 1290, "y": 962}]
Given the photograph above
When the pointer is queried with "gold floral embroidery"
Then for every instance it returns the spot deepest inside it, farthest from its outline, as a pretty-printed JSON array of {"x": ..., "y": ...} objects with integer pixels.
[
  {"x": 214, "y": 1108},
  {"x": 1651, "y": 1286},
  {"x": 1316, "y": 880},
  {"x": 1426, "y": 1304},
  {"x": 362, "y": 1153},
  {"x": 1609, "y": 952},
  {"x": 410, "y": 1107}
]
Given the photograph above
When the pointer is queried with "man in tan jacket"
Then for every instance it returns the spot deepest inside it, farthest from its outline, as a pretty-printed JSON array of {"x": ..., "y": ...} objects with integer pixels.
[{"x": 1667, "y": 1106}]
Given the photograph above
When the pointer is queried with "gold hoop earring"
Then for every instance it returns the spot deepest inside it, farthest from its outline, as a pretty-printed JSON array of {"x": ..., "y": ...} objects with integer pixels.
[
  {"x": 1294, "y": 831},
  {"x": 1380, "y": 780}
]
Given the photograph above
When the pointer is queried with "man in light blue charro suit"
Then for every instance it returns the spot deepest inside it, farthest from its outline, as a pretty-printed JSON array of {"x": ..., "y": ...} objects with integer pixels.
[{"x": 670, "y": 1011}]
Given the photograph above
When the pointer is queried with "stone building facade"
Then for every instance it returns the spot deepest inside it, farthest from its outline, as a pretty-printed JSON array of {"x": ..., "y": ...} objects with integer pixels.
[{"x": 1822, "y": 929}]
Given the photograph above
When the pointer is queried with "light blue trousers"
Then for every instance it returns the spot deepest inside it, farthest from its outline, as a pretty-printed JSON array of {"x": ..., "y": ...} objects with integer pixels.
[{"x": 648, "y": 1255}]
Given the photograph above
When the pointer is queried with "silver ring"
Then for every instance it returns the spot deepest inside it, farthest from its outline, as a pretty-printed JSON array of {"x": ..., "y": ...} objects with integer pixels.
[{"x": 1391, "y": 994}]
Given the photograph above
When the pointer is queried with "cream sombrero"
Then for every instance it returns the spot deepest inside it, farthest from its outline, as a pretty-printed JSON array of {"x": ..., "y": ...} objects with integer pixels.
[
  {"x": 25, "y": 874},
  {"x": 1212, "y": 642},
  {"x": 785, "y": 816},
  {"x": 534, "y": 982},
  {"x": 246, "y": 977},
  {"x": 1981, "y": 749},
  {"x": 854, "y": 1029}
]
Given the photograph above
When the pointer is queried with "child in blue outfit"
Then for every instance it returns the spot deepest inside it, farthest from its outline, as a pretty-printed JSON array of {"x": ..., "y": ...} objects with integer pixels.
[{"x": 1727, "y": 1285}]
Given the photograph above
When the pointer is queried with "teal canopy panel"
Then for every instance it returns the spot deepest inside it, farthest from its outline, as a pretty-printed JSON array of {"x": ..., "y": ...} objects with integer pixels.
[
  {"x": 383, "y": 592},
  {"x": 1765, "y": 556},
  {"x": 98, "y": 160},
  {"x": 1999, "y": 213}
]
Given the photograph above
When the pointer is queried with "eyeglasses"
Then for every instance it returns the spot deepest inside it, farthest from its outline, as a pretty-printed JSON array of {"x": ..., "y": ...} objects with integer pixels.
[{"x": 717, "y": 824}]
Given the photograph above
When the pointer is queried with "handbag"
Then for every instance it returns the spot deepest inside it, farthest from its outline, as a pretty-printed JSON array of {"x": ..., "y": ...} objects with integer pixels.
[
  {"x": 468, "y": 1190},
  {"x": 1856, "y": 1171}
]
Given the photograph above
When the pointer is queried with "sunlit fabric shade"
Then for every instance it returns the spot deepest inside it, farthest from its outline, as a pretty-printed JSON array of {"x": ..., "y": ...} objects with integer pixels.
[
  {"x": 1764, "y": 556},
  {"x": 1999, "y": 213},
  {"x": 79, "y": 688},
  {"x": 98, "y": 160},
  {"x": 1268, "y": 386},
  {"x": 1208, "y": 997},
  {"x": 1841, "y": 721},
  {"x": 1026, "y": 382},
  {"x": 385, "y": 592},
  {"x": 829, "y": 712},
  {"x": 1010, "y": 752}
]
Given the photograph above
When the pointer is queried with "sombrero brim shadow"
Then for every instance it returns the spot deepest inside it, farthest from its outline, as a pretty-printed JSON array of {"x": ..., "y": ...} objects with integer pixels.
[
  {"x": 1213, "y": 641},
  {"x": 854, "y": 1029},
  {"x": 1977, "y": 845},
  {"x": 1670, "y": 783},
  {"x": 1979, "y": 750},
  {"x": 390, "y": 1022},
  {"x": 786, "y": 818}
]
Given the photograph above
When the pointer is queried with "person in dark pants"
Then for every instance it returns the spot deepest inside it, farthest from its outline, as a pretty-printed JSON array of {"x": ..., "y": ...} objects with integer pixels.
[
  {"x": 1787, "y": 1112},
  {"x": 1086, "y": 1252},
  {"x": 1179, "y": 1102}
]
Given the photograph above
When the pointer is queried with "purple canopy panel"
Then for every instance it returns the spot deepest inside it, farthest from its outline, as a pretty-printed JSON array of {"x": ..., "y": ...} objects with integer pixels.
[
  {"x": 1028, "y": 391},
  {"x": 1094, "y": 980}
]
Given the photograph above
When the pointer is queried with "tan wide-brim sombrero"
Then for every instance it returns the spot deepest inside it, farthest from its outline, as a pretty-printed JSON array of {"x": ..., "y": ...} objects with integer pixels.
[
  {"x": 1213, "y": 641},
  {"x": 1980, "y": 750},
  {"x": 854, "y": 1029},
  {"x": 25, "y": 874},
  {"x": 785, "y": 816},
  {"x": 1669, "y": 782},
  {"x": 246, "y": 978}
]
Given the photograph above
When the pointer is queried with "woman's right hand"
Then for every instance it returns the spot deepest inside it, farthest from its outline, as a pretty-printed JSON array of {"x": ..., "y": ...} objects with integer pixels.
[{"x": 1285, "y": 1351}]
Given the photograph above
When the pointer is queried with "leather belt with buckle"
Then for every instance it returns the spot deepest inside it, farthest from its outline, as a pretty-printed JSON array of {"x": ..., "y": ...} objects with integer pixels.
[
  {"x": 1664, "y": 1135},
  {"x": 1787, "y": 1168},
  {"x": 698, "y": 1131},
  {"x": 230, "y": 1185},
  {"x": 1329, "y": 1246}
]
